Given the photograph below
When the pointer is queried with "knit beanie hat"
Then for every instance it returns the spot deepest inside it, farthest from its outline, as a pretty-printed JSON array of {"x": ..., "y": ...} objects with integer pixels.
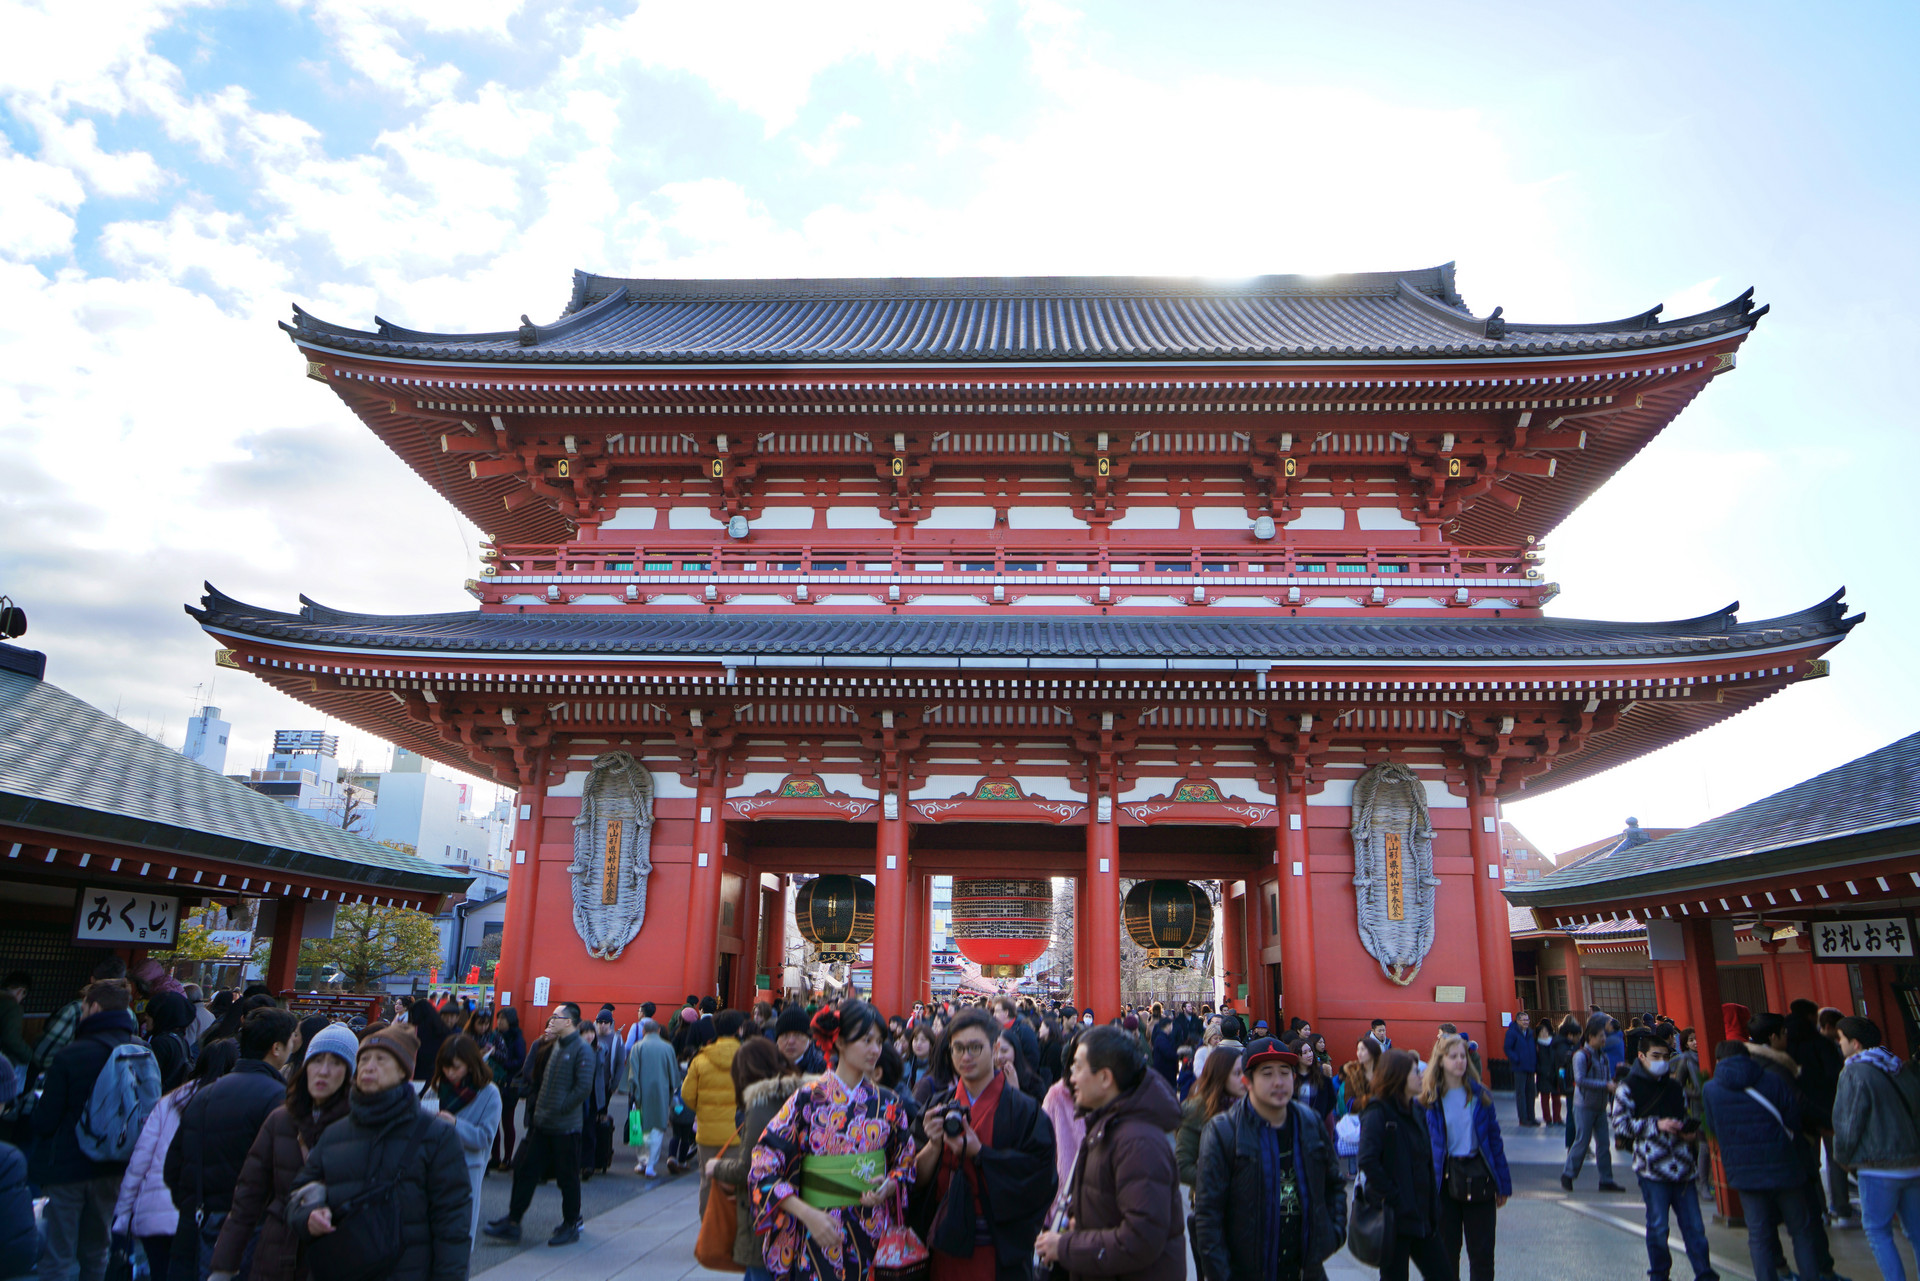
[
  {"x": 792, "y": 1019},
  {"x": 397, "y": 1039},
  {"x": 338, "y": 1039}
]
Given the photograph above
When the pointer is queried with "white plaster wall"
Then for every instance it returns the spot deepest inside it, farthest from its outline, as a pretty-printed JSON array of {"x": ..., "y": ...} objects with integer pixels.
[
  {"x": 1339, "y": 791},
  {"x": 632, "y": 518},
  {"x": 959, "y": 518},
  {"x": 1383, "y": 518},
  {"x": 1147, "y": 789},
  {"x": 1221, "y": 518},
  {"x": 1148, "y": 602},
  {"x": 1043, "y": 518},
  {"x": 940, "y": 787},
  {"x": 1073, "y": 602},
  {"x": 1319, "y": 518},
  {"x": 784, "y": 518},
  {"x": 856, "y": 518},
  {"x": 601, "y": 600},
  {"x": 1149, "y": 518},
  {"x": 693, "y": 518},
  {"x": 849, "y": 600},
  {"x": 1245, "y": 789}
]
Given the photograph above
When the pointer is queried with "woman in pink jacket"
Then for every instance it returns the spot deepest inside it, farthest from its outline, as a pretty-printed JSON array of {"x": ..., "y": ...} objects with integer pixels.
[{"x": 145, "y": 1208}]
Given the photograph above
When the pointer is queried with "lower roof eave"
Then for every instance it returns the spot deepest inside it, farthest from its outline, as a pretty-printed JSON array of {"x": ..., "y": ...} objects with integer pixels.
[
  {"x": 59, "y": 822},
  {"x": 1842, "y": 853}
]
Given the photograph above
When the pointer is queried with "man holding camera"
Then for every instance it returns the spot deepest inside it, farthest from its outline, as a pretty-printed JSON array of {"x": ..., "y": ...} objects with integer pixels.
[{"x": 988, "y": 1159}]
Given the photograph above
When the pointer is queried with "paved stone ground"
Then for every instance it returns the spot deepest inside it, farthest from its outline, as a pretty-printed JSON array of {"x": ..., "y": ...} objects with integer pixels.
[{"x": 637, "y": 1232}]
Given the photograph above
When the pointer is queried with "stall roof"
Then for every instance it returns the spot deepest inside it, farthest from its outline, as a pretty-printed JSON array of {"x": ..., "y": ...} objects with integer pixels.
[
  {"x": 68, "y": 768},
  {"x": 1868, "y": 806}
]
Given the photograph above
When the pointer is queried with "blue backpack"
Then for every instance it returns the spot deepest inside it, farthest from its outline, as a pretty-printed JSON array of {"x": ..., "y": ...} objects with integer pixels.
[{"x": 123, "y": 1094}]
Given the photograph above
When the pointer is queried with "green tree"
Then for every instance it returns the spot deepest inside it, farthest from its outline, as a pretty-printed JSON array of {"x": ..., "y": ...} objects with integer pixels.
[
  {"x": 195, "y": 941},
  {"x": 372, "y": 943}
]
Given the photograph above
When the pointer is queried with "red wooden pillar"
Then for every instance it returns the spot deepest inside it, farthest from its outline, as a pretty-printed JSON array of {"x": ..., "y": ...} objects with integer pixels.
[
  {"x": 1079, "y": 942},
  {"x": 1233, "y": 941},
  {"x": 1490, "y": 910},
  {"x": 923, "y": 958},
  {"x": 775, "y": 959},
  {"x": 289, "y": 917},
  {"x": 890, "y": 916},
  {"x": 913, "y": 935},
  {"x": 1884, "y": 1008},
  {"x": 1576, "y": 986},
  {"x": 746, "y": 962},
  {"x": 1299, "y": 980},
  {"x": 1098, "y": 986},
  {"x": 1777, "y": 998},
  {"x": 513, "y": 977},
  {"x": 1703, "y": 985},
  {"x": 702, "y": 968}
]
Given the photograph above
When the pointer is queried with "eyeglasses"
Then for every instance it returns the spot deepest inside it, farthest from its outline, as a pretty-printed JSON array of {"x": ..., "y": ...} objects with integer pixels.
[{"x": 969, "y": 1049}]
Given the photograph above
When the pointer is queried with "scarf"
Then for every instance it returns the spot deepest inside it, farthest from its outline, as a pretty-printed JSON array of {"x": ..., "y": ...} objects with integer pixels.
[
  {"x": 453, "y": 1097},
  {"x": 1879, "y": 1056}
]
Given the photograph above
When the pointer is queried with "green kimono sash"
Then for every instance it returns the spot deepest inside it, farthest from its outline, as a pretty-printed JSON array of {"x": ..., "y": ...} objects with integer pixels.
[{"x": 827, "y": 1182}]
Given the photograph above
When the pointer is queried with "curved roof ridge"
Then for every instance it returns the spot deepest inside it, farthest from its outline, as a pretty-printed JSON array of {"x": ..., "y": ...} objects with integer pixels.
[{"x": 590, "y": 287}]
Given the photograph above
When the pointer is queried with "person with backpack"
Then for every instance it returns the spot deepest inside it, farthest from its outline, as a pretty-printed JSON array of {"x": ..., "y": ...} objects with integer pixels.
[
  {"x": 384, "y": 1192},
  {"x": 1755, "y": 1118},
  {"x": 218, "y": 1126},
  {"x": 99, "y": 1090},
  {"x": 1524, "y": 1055},
  {"x": 1592, "y": 1078},
  {"x": 1269, "y": 1200},
  {"x": 316, "y": 1098}
]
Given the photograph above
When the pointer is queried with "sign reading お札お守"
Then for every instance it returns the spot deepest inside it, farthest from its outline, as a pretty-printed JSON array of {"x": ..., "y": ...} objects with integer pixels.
[
  {"x": 126, "y": 916},
  {"x": 1860, "y": 939}
]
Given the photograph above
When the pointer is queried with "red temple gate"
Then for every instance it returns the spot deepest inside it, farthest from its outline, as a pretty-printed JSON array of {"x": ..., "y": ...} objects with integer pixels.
[{"x": 1099, "y": 578}]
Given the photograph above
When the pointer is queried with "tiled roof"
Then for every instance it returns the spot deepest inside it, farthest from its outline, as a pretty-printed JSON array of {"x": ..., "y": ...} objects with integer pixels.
[
  {"x": 931, "y": 640},
  {"x": 67, "y": 767},
  {"x": 1414, "y": 314},
  {"x": 1874, "y": 796}
]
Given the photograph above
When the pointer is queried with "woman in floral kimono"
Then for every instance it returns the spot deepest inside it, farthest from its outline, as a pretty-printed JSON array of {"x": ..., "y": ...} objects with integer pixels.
[{"x": 830, "y": 1169}]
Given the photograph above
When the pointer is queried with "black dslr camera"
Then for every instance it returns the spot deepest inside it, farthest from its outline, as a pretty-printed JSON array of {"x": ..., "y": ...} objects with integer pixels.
[{"x": 954, "y": 1116}]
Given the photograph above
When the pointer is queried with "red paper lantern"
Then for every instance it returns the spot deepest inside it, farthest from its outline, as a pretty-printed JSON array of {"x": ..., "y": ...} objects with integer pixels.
[{"x": 1002, "y": 926}]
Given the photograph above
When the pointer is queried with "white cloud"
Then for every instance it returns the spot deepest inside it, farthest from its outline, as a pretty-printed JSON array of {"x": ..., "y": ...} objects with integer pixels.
[
  {"x": 37, "y": 201},
  {"x": 764, "y": 55}
]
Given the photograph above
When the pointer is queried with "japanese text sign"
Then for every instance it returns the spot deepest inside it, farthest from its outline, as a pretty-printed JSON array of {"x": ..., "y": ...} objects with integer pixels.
[
  {"x": 1884, "y": 939},
  {"x": 126, "y": 916}
]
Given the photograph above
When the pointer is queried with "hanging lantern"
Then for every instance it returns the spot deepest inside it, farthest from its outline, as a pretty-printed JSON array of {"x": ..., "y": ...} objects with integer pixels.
[
  {"x": 1003, "y": 926},
  {"x": 1168, "y": 919},
  {"x": 835, "y": 914}
]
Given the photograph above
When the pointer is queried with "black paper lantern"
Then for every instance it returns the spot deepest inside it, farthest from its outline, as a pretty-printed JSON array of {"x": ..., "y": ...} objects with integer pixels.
[
  {"x": 1168, "y": 919},
  {"x": 835, "y": 914}
]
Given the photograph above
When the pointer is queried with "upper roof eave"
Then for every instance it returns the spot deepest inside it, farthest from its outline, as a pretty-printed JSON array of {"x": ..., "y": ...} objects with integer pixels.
[{"x": 633, "y": 323}]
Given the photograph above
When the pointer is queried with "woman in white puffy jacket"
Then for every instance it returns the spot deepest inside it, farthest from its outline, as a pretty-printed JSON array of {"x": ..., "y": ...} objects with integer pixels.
[{"x": 145, "y": 1207}]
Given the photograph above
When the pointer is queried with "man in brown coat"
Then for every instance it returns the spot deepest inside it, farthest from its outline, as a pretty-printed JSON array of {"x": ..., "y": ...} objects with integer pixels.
[{"x": 1123, "y": 1212}]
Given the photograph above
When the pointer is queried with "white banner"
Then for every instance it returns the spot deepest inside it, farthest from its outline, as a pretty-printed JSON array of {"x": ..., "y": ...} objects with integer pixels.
[
  {"x": 1859, "y": 939},
  {"x": 239, "y": 943},
  {"x": 126, "y": 916}
]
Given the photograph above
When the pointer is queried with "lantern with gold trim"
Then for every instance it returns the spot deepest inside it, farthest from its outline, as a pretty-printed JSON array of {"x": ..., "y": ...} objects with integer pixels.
[
  {"x": 1003, "y": 926},
  {"x": 1169, "y": 920},
  {"x": 835, "y": 915}
]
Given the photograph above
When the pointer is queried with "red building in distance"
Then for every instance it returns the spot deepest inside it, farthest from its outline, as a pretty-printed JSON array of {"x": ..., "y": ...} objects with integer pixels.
[{"x": 1092, "y": 577}]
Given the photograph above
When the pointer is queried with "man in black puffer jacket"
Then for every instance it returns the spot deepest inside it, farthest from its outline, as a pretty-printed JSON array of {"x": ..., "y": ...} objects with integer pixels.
[
  {"x": 1267, "y": 1186},
  {"x": 387, "y": 1136},
  {"x": 218, "y": 1126}
]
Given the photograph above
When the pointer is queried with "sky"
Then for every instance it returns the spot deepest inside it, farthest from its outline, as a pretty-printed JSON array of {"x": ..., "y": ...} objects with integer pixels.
[{"x": 175, "y": 175}]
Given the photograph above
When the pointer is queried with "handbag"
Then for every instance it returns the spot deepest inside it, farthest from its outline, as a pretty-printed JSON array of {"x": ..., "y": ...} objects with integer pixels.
[
  {"x": 713, "y": 1248},
  {"x": 1468, "y": 1180},
  {"x": 900, "y": 1254},
  {"x": 1369, "y": 1227},
  {"x": 636, "y": 1128},
  {"x": 365, "y": 1243}
]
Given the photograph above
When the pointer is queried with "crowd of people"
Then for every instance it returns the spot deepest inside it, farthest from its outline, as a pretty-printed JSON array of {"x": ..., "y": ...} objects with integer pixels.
[{"x": 230, "y": 1139}]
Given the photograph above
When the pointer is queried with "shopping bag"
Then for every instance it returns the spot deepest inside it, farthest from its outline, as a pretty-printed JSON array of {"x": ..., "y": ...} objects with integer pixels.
[
  {"x": 713, "y": 1248},
  {"x": 636, "y": 1129}
]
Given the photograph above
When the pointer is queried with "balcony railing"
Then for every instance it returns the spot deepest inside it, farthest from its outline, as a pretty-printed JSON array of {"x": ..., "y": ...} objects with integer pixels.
[{"x": 1003, "y": 572}]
